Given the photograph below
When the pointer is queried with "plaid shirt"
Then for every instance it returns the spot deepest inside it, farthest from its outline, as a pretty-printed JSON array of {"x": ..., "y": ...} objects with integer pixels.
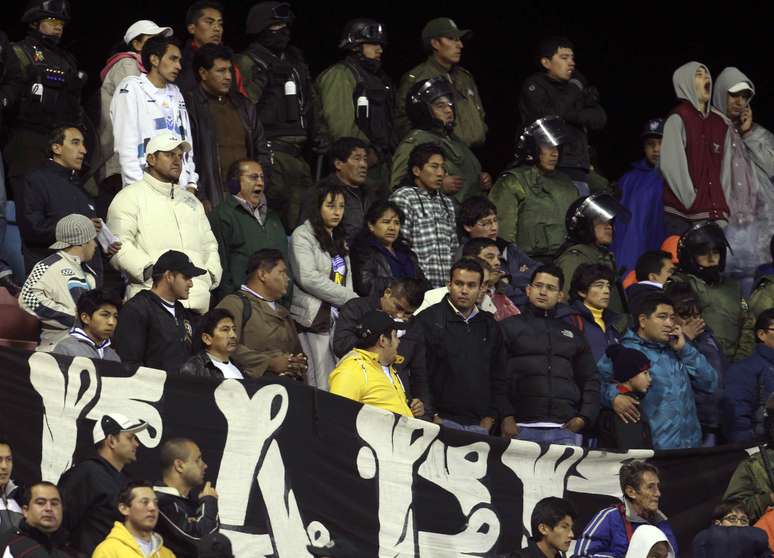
[{"x": 430, "y": 229}]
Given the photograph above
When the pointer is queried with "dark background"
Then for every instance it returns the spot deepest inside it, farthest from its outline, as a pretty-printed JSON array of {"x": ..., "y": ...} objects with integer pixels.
[{"x": 629, "y": 50}]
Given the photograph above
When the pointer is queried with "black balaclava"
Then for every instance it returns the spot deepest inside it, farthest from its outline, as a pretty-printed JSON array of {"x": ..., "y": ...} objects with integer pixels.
[{"x": 276, "y": 41}]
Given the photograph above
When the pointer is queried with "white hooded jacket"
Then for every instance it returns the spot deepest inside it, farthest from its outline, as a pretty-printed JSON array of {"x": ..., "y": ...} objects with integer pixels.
[{"x": 645, "y": 536}]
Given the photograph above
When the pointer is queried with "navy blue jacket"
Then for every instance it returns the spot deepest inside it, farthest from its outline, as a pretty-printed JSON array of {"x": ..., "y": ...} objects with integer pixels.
[
  {"x": 580, "y": 316},
  {"x": 731, "y": 542},
  {"x": 642, "y": 190},
  {"x": 749, "y": 382}
]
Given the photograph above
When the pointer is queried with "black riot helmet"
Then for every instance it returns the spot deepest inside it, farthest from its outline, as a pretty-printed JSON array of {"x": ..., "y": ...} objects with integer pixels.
[
  {"x": 420, "y": 99},
  {"x": 549, "y": 131},
  {"x": 41, "y": 9},
  {"x": 580, "y": 216},
  {"x": 264, "y": 14},
  {"x": 697, "y": 241},
  {"x": 362, "y": 30}
]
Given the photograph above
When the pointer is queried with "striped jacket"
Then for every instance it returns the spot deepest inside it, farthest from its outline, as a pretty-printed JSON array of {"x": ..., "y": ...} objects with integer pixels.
[
  {"x": 608, "y": 533},
  {"x": 51, "y": 292},
  {"x": 430, "y": 229}
]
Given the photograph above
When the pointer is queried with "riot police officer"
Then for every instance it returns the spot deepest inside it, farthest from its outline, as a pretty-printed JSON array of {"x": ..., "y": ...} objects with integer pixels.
[
  {"x": 431, "y": 108},
  {"x": 533, "y": 196},
  {"x": 358, "y": 98},
  {"x": 276, "y": 78},
  {"x": 589, "y": 224},
  {"x": 702, "y": 252},
  {"x": 41, "y": 88}
]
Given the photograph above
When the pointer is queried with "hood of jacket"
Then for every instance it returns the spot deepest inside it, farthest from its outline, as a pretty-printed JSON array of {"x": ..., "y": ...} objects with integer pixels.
[
  {"x": 120, "y": 535},
  {"x": 121, "y": 56},
  {"x": 645, "y": 536},
  {"x": 682, "y": 80},
  {"x": 728, "y": 78}
]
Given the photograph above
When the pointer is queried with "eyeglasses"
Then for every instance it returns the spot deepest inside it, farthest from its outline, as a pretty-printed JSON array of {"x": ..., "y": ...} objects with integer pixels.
[
  {"x": 254, "y": 177},
  {"x": 487, "y": 222},
  {"x": 737, "y": 519},
  {"x": 543, "y": 286}
]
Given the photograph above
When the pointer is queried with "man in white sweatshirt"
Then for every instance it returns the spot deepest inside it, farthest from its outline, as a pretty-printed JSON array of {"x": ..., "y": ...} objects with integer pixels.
[{"x": 148, "y": 104}]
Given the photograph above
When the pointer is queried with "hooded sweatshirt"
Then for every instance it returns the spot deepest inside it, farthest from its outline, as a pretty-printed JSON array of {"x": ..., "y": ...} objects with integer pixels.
[
  {"x": 692, "y": 154},
  {"x": 645, "y": 536},
  {"x": 120, "y": 543}
]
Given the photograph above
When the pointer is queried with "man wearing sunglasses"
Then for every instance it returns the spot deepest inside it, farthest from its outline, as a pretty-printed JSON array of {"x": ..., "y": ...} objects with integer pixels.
[{"x": 41, "y": 88}]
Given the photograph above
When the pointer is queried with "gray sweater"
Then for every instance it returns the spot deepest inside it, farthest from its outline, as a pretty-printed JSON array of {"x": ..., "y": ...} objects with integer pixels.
[{"x": 75, "y": 346}]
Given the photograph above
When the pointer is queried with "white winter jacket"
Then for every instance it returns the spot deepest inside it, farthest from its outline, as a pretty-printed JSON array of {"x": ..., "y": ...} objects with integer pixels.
[
  {"x": 137, "y": 115},
  {"x": 151, "y": 217}
]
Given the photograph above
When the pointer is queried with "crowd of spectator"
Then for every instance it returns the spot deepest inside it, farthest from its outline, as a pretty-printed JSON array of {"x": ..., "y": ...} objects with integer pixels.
[{"x": 182, "y": 228}]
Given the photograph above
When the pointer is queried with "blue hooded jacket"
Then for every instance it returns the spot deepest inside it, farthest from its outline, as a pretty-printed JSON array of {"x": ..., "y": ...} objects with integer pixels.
[
  {"x": 642, "y": 190},
  {"x": 749, "y": 382},
  {"x": 670, "y": 404}
]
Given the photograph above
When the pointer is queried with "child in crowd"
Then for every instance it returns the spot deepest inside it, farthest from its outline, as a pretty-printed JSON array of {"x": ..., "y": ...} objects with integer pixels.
[
  {"x": 631, "y": 371},
  {"x": 649, "y": 541}
]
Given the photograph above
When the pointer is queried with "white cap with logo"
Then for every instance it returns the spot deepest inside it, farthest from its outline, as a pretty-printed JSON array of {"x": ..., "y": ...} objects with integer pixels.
[
  {"x": 145, "y": 27},
  {"x": 114, "y": 424},
  {"x": 166, "y": 141}
]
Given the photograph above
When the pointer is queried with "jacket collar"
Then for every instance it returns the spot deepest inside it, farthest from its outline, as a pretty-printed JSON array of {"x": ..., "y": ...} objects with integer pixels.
[
  {"x": 539, "y": 312},
  {"x": 163, "y": 188},
  {"x": 634, "y": 517},
  {"x": 122, "y": 534},
  {"x": 39, "y": 536},
  {"x": 436, "y": 66},
  {"x": 765, "y": 352},
  {"x": 9, "y": 487},
  {"x": 59, "y": 170}
]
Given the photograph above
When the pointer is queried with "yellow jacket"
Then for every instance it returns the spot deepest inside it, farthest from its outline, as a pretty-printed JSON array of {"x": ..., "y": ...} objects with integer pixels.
[
  {"x": 360, "y": 377},
  {"x": 121, "y": 544}
]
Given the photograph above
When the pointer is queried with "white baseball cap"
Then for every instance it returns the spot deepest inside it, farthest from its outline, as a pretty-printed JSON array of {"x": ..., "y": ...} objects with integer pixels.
[
  {"x": 145, "y": 27},
  {"x": 166, "y": 141},
  {"x": 739, "y": 87},
  {"x": 114, "y": 424}
]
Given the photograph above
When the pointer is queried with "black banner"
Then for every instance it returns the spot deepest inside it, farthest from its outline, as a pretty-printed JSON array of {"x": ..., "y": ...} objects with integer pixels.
[{"x": 295, "y": 466}]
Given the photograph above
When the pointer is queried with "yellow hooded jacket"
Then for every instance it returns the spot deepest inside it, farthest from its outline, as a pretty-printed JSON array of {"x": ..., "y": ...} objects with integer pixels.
[{"x": 121, "y": 544}]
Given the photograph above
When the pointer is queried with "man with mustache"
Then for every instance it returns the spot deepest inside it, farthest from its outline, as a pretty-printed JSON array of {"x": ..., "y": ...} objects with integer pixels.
[
  {"x": 145, "y": 106},
  {"x": 349, "y": 158},
  {"x": 443, "y": 42},
  {"x": 225, "y": 125},
  {"x": 693, "y": 153},
  {"x": 38, "y": 534},
  {"x": 218, "y": 337},
  {"x": 154, "y": 215},
  {"x": 678, "y": 370},
  {"x": 53, "y": 191}
]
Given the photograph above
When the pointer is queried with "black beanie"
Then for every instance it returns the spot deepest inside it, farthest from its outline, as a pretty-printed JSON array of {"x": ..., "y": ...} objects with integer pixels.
[{"x": 627, "y": 363}]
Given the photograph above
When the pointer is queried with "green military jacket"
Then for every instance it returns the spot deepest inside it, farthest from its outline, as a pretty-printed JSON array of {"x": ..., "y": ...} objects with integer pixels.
[
  {"x": 459, "y": 160},
  {"x": 335, "y": 87},
  {"x": 531, "y": 206},
  {"x": 762, "y": 297},
  {"x": 239, "y": 236},
  {"x": 750, "y": 485},
  {"x": 726, "y": 313},
  {"x": 469, "y": 125},
  {"x": 578, "y": 254}
]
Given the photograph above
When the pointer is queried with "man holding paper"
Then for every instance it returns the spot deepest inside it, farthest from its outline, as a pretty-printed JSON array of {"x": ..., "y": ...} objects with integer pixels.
[{"x": 53, "y": 191}]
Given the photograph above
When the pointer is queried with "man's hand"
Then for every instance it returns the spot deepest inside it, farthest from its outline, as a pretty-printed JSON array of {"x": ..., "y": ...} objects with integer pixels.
[
  {"x": 280, "y": 363},
  {"x": 452, "y": 184},
  {"x": 114, "y": 248},
  {"x": 509, "y": 428},
  {"x": 437, "y": 419},
  {"x": 208, "y": 490},
  {"x": 487, "y": 423},
  {"x": 693, "y": 327},
  {"x": 486, "y": 181},
  {"x": 575, "y": 424},
  {"x": 677, "y": 339},
  {"x": 417, "y": 407},
  {"x": 626, "y": 408},
  {"x": 745, "y": 120},
  {"x": 97, "y": 223}
]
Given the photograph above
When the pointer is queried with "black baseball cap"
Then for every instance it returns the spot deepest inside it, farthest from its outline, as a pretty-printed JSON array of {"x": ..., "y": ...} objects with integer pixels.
[
  {"x": 375, "y": 322},
  {"x": 172, "y": 260}
]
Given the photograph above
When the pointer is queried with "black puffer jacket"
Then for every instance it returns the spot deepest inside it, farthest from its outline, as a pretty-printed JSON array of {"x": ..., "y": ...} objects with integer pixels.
[
  {"x": 29, "y": 542},
  {"x": 553, "y": 376}
]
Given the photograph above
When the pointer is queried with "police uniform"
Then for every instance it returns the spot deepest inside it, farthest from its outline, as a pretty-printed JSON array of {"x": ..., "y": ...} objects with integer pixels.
[{"x": 41, "y": 90}]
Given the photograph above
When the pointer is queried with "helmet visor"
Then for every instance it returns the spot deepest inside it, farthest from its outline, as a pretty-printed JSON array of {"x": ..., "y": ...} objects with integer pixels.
[
  {"x": 547, "y": 131},
  {"x": 604, "y": 207}
]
